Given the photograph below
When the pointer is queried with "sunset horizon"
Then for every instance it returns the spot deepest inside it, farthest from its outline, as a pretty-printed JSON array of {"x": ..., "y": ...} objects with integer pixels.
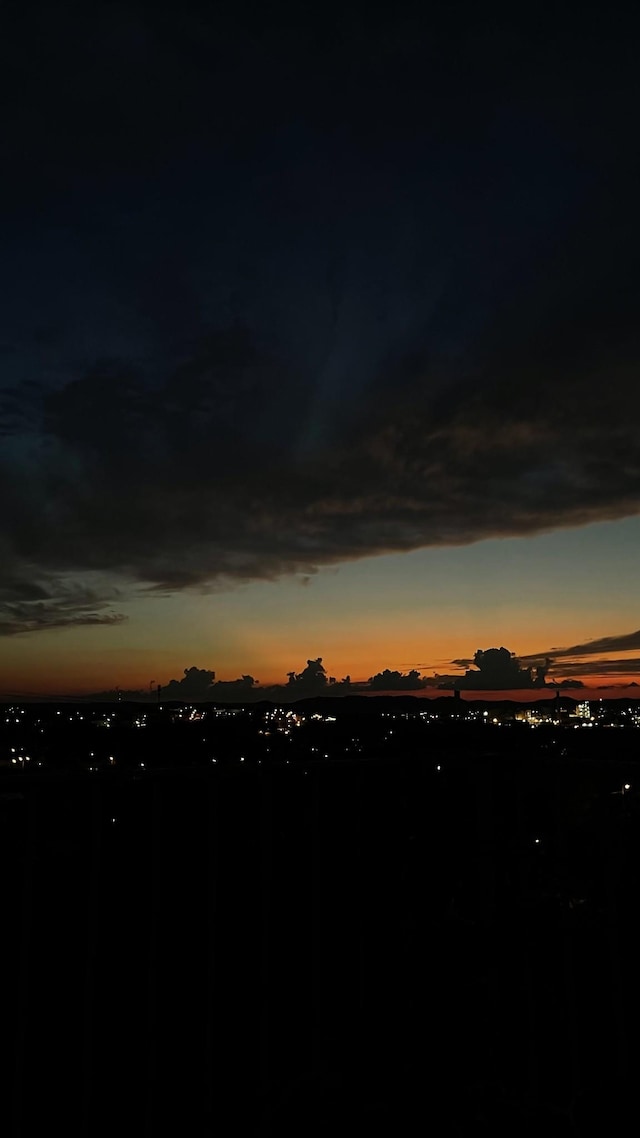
[
  {"x": 319, "y": 568},
  {"x": 322, "y": 367}
]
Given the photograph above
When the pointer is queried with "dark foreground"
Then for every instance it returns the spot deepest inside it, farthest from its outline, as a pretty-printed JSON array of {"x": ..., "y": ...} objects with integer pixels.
[{"x": 320, "y": 949}]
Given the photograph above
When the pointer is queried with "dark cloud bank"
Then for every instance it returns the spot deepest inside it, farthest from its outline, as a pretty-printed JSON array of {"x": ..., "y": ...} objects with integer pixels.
[{"x": 246, "y": 347}]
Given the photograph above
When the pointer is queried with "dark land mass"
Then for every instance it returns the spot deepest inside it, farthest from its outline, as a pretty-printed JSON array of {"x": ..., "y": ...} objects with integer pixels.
[{"x": 249, "y": 924}]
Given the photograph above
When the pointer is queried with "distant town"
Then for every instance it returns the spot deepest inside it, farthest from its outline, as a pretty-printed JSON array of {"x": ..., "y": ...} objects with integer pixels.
[
  {"x": 94, "y": 738},
  {"x": 268, "y": 895}
]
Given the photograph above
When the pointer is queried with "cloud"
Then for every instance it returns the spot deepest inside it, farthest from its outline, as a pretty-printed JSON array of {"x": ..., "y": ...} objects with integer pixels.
[
  {"x": 349, "y": 341},
  {"x": 497, "y": 669},
  {"x": 313, "y": 680},
  {"x": 197, "y": 482},
  {"x": 628, "y": 666},
  {"x": 586, "y": 659},
  {"x": 242, "y": 688},
  {"x": 397, "y": 681},
  {"x": 624, "y": 642},
  {"x": 41, "y": 618},
  {"x": 39, "y": 605},
  {"x": 197, "y": 684},
  {"x": 622, "y": 687},
  {"x": 200, "y": 684}
]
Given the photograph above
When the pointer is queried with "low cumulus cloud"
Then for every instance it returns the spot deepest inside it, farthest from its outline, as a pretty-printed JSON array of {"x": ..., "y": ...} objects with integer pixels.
[
  {"x": 497, "y": 669},
  {"x": 491, "y": 669},
  {"x": 200, "y": 684},
  {"x": 389, "y": 680}
]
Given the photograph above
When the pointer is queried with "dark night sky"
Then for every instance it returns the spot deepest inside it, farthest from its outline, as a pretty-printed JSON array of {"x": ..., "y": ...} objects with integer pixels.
[{"x": 282, "y": 291}]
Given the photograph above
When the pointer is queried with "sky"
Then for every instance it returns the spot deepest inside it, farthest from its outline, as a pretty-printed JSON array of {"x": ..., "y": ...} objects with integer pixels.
[{"x": 319, "y": 338}]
